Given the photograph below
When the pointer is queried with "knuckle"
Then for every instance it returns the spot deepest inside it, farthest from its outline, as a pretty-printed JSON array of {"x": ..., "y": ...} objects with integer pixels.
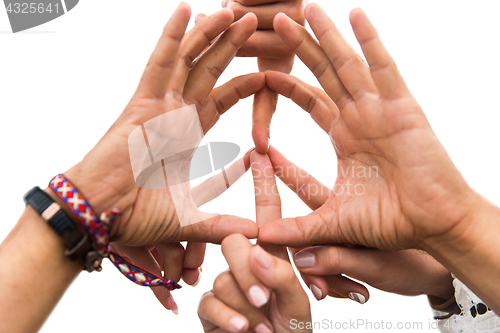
[
  {"x": 222, "y": 281},
  {"x": 321, "y": 68},
  {"x": 287, "y": 276},
  {"x": 296, "y": 13},
  {"x": 214, "y": 70},
  {"x": 333, "y": 258},
  {"x": 311, "y": 104},
  {"x": 204, "y": 301},
  {"x": 231, "y": 240}
]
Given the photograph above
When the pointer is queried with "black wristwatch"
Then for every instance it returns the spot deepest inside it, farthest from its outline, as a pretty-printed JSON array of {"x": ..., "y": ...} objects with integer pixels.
[{"x": 79, "y": 246}]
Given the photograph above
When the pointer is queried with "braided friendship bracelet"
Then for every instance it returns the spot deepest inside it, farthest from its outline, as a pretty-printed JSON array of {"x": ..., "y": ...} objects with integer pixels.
[{"x": 99, "y": 229}]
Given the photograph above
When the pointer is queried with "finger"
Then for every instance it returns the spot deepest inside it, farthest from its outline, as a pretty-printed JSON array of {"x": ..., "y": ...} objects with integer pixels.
[
  {"x": 195, "y": 255},
  {"x": 386, "y": 75},
  {"x": 278, "y": 275},
  {"x": 203, "y": 76},
  {"x": 267, "y": 198},
  {"x": 264, "y": 106},
  {"x": 311, "y": 191},
  {"x": 265, "y": 102},
  {"x": 312, "y": 99},
  {"x": 199, "y": 17},
  {"x": 359, "y": 263},
  {"x": 193, "y": 43},
  {"x": 351, "y": 69},
  {"x": 346, "y": 288},
  {"x": 265, "y": 44},
  {"x": 162, "y": 60},
  {"x": 317, "y": 284},
  {"x": 172, "y": 256},
  {"x": 142, "y": 257},
  {"x": 225, "y": 96},
  {"x": 218, "y": 184},
  {"x": 227, "y": 290},
  {"x": 314, "y": 57},
  {"x": 193, "y": 259},
  {"x": 251, "y": 2},
  {"x": 266, "y": 13},
  {"x": 215, "y": 229},
  {"x": 315, "y": 228},
  {"x": 234, "y": 248},
  {"x": 213, "y": 312}
]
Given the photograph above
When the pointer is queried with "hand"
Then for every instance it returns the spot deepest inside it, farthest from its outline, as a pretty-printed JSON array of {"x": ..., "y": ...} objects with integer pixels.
[
  {"x": 406, "y": 272},
  {"x": 173, "y": 259},
  {"x": 255, "y": 278},
  {"x": 226, "y": 308},
  {"x": 396, "y": 186},
  {"x": 148, "y": 231},
  {"x": 271, "y": 52},
  {"x": 327, "y": 269},
  {"x": 170, "y": 81}
]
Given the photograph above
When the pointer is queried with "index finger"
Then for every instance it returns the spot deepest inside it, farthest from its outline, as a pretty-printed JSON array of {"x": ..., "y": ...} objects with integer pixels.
[
  {"x": 314, "y": 57},
  {"x": 267, "y": 198},
  {"x": 236, "y": 249},
  {"x": 193, "y": 43},
  {"x": 162, "y": 59}
]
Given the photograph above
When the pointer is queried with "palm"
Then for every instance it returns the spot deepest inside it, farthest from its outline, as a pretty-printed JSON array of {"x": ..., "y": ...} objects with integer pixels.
[
  {"x": 148, "y": 216},
  {"x": 392, "y": 180},
  {"x": 170, "y": 82},
  {"x": 376, "y": 126}
]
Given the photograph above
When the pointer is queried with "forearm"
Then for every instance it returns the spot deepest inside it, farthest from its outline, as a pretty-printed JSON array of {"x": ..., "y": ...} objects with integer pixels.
[
  {"x": 34, "y": 274},
  {"x": 472, "y": 252}
]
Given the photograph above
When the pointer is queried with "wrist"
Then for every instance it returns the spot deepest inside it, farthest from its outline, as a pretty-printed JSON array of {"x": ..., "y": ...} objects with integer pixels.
[
  {"x": 42, "y": 245},
  {"x": 32, "y": 255},
  {"x": 471, "y": 251},
  {"x": 442, "y": 287},
  {"x": 96, "y": 193},
  {"x": 466, "y": 232}
]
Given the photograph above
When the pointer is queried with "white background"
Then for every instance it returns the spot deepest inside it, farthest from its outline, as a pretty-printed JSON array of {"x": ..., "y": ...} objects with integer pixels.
[{"x": 63, "y": 84}]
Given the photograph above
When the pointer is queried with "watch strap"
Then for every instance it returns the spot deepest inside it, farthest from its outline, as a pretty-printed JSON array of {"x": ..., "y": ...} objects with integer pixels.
[{"x": 79, "y": 246}]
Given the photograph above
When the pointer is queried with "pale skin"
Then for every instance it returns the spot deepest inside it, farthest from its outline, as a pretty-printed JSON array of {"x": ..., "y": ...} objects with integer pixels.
[
  {"x": 418, "y": 199},
  {"x": 148, "y": 226},
  {"x": 232, "y": 305}
]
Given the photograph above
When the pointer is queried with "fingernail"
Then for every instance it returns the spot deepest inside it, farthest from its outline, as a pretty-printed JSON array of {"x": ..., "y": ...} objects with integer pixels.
[
  {"x": 199, "y": 277},
  {"x": 198, "y": 18},
  {"x": 172, "y": 306},
  {"x": 316, "y": 292},
  {"x": 357, "y": 297},
  {"x": 224, "y": 3},
  {"x": 305, "y": 259},
  {"x": 263, "y": 258},
  {"x": 257, "y": 296},
  {"x": 237, "y": 323},
  {"x": 261, "y": 328}
]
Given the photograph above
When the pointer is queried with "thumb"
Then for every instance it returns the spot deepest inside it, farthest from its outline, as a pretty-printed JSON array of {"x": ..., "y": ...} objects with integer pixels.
[
  {"x": 278, "y": 275},
  {"x": 315, "y": 228}
]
